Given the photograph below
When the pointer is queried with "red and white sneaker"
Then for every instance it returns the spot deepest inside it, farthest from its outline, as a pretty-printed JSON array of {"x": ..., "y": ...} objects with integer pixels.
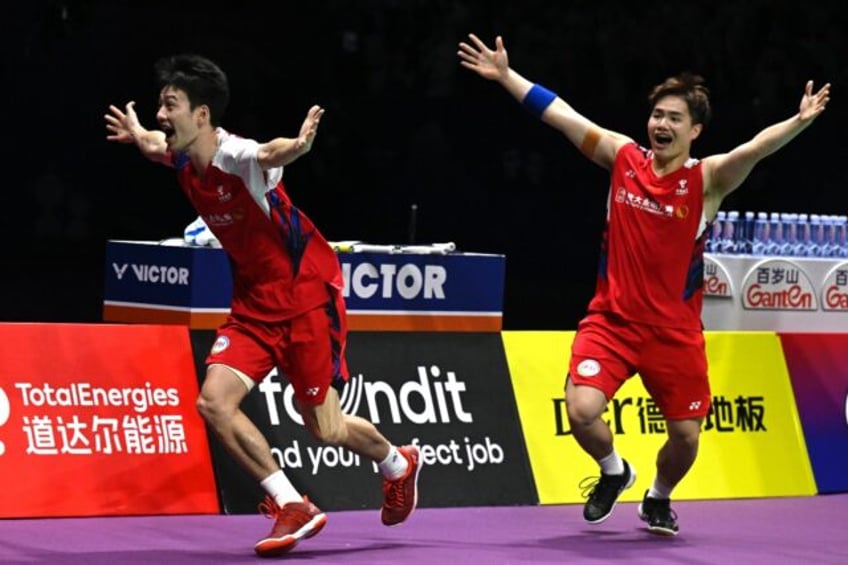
[
  {"x": 292, "y": 523},
  {"x": 400, "y": 496}
]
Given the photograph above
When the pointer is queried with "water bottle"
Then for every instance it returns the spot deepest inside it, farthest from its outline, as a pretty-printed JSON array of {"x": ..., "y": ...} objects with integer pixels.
[
  {"x": 775, "y": 240},
  {"x": 728, "y": 233},
  {"x": 789, "y": 223},
  {"x": 830, "y": 248},
  {"x": 747, "y": 234},
  {"x": 842, "y": 235},
  {"x": 804, "y": 236},
  {"x": 761, "y": 234},
  {"x": 814, "y": 248}
]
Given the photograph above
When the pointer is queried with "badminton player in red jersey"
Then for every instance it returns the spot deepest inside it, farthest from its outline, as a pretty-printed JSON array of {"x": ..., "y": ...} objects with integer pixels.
[
  {"x": 660, "y": 204},
  {"x": 287, "y": 309}
]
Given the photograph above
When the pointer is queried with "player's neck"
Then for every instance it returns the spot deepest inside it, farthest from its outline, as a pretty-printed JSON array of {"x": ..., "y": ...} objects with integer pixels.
[
  {"x": 202, "y": 151},
  {"x": 663, "y": 166}
]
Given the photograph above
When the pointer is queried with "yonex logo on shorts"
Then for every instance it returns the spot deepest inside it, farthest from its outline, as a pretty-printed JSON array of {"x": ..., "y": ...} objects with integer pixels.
[
  {"x": 220, "y": 344},
  {"x": 588, "y": 368},
  {"x": 695, "y": 405}
]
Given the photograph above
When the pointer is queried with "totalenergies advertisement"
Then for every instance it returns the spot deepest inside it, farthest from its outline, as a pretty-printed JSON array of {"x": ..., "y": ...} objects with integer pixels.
[
  {"x": 99, "y": 420},
  {"x": 752, "y": 430}
]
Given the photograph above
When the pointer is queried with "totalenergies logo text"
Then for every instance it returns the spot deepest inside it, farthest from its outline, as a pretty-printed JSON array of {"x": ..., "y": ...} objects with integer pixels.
[{"x": 778, "y": 285}]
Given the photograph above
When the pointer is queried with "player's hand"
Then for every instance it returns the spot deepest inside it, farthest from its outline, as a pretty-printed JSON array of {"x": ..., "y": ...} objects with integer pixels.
[
  {"x": 813, "y": 104},
  {"x": 309, "y": 129},
  {"x": 121, "y": 124},
  {"x": 489, "y": 64}
]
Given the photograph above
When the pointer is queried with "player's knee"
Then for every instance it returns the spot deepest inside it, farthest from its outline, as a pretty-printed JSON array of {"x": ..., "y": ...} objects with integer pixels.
[
  {"x": 583, "y": 409},
  {"x": 209, "y": 408},
  {"x": 204, "y": 407},
  {"x": 687, "y": 437}
]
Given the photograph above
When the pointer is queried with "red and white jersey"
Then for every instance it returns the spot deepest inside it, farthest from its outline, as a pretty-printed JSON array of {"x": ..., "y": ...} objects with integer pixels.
[
  {"x": 281, "y": 264},
  {"x": 652, "y": 254}
]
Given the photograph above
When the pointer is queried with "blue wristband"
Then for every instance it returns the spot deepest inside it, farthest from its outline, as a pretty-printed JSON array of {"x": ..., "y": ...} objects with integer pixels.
[{"x": 537, "y": 99}]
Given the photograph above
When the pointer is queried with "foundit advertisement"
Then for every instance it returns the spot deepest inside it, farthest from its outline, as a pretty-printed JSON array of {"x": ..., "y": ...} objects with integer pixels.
[
  {"x": 88, "y": 411},
  {"x": 752, "y": 429},
  {"x": 449, "y": 393}
]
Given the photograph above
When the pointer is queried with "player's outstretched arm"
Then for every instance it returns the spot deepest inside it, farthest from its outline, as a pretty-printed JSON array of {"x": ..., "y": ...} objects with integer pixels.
[
  {"x": 729, "y": 170},
  {"x": 124, "y": 127},
  {"x": 283, "y": 150},
  {"x": 596, "y": 143}
]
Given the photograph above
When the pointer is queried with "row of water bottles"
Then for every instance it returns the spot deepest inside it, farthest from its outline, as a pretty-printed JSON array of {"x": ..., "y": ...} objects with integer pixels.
[{"x": 778, "y": 234}]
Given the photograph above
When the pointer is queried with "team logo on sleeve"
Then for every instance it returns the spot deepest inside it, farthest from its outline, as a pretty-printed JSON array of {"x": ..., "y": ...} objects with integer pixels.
[
  {"x": 588, "y": 368},
  {"x": 220, "y": 344}
]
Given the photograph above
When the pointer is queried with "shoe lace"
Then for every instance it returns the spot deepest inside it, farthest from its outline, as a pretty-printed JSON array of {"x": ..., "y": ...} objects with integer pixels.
[
  {"x": 395, "y": 493},
  {"x": 596, "y": 487},
  {"x": 587, "y": 486},
  {"x": 269, "y": 508},
  {"x": 662, "y": 511}
]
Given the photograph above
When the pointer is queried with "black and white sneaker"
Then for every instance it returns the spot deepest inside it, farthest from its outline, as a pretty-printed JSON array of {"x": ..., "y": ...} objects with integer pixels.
[
  {"x": 657, "y": 512},
  {"x": 602, "y": 493}
]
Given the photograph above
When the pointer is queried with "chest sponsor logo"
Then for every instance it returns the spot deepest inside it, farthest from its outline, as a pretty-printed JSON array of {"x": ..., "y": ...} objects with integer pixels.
[
  {"x": 644, "y": 203},
  {"x": 224, "y": 218}
]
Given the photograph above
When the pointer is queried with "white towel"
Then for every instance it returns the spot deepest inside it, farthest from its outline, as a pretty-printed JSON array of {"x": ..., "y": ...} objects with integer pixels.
[{"x": 198, "y": 233}]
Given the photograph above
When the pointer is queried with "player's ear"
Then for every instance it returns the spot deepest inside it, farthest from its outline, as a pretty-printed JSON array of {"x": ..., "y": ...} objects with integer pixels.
[
  {"x": 696, "y": 131},
  {"x": 202, "y": 115}
]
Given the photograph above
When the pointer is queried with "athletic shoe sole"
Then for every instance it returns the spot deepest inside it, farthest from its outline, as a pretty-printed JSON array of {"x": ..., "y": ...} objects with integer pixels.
[
  {"x": 273, "y": 547},
  {"x": 656, "y": 530}
]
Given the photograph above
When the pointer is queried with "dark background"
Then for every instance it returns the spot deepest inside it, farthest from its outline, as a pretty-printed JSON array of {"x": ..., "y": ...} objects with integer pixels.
[{"x": 405, "y": 124}]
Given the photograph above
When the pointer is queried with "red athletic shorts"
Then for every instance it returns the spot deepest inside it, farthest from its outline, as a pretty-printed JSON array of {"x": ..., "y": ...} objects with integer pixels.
[
  {"x": 309, "y": 350},
  {"x": 672, "y": 363}
]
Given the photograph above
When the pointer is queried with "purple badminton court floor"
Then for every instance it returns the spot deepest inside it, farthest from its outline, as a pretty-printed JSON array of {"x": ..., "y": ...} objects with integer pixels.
[{"x": 808, "y": 530}]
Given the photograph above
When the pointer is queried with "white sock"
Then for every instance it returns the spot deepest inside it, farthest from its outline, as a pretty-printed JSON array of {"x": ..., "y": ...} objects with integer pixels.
[
  {"x": 659, "y": 490},
  {"x": 277, "y": 484},
  {"x": 612, "y": 464},
  {"x": 394, "y": 466}
]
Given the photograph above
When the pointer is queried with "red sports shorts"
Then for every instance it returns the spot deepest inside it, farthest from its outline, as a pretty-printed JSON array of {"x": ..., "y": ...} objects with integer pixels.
[
  {"x": 309, "y": 350},
  {"x": 672, "y": 363}
]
